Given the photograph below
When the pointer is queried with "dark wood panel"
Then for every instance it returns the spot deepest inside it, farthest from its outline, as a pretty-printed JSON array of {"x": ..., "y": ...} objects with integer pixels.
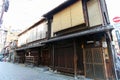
[
  {"x": 45, "y": 57},
  {"x": 64, "y": 57}
]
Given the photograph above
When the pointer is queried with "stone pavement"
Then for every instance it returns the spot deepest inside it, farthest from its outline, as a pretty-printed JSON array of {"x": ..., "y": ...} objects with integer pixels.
[{"x": 10, "y": 71}]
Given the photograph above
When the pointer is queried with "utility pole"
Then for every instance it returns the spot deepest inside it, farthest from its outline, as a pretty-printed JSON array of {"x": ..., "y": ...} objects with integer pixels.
[
  {"x": 4, "y": 8},
  {"x": 1, "y": 12}
]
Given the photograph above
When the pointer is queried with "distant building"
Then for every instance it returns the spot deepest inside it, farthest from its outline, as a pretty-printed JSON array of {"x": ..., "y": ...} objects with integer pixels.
[
  {"x": 3, "y": 34},
  {"x": 4, "y": 5},
  {"x": 29, "y": 44},
  {"x": 10, "y": 43}
]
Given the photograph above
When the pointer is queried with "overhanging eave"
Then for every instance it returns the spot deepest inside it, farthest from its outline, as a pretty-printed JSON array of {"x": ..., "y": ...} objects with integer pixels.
[{"x": 82, "y": 33}]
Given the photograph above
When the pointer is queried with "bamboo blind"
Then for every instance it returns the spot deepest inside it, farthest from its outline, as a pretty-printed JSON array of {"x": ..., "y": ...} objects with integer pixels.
[
  {"x": 69, "y": 17},
  {"x": 94, "y": 13}
]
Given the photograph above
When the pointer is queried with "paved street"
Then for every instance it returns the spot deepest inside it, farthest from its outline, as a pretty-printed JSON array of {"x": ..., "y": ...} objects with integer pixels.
[{"x": 10, "y": 71}]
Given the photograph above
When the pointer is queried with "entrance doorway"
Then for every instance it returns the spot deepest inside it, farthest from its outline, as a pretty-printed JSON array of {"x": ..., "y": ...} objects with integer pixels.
[
  {"x": 94, "y": 57},
  {"x": 45, "y": 57},
  {"x": 94, "y": 63}
]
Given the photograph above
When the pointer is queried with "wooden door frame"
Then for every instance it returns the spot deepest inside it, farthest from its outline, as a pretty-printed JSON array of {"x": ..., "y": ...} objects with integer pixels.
[{"x": 42, "y": 49}]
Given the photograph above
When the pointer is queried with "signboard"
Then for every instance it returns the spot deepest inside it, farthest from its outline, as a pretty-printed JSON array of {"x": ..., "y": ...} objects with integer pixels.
[{"x": 116, "y": 19}]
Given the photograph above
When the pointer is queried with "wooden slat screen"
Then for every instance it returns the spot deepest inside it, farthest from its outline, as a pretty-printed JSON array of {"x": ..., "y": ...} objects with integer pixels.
[
  {"x": 94, "y": 13},
  {"x": 77, "y": 15},
  {"x": 94, "y": 65},
  {"x": 69, "y": 17},
  {"x": 64, "y": 58}
]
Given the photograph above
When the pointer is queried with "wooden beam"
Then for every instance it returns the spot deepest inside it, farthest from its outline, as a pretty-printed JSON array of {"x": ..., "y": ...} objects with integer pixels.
[
  {"x": 49, "y": 28},
  {"x": 84, "y": 3}
]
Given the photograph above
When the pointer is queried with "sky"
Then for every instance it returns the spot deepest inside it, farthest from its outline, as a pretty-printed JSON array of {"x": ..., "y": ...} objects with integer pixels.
[
  {"x": 113, "y": 9},
  {"x": 23, "y": 13}
]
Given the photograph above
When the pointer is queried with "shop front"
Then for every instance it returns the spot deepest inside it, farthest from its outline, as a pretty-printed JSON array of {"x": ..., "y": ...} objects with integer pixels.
[{"x": 87, "y": 55}]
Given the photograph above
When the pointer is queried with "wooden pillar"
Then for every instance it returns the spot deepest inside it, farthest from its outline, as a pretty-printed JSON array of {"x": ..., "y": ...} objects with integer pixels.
[
  {"x": 53, "y": 58},
  {"x": 49, "y": 28},
  {"x": 112, "y": 55},
  {"x": 105, "y": 58},
  {"x": 75, "y": 59},
  {"x": 41, "y": 56}
]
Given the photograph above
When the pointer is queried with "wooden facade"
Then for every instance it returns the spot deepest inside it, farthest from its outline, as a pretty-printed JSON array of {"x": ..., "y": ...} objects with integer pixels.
[
  {"x": 77, "y": 46},
  {"x": 29, "y": 42},
  {"x": 78, "y": 40},
  {"x": 82, "y": 55}
]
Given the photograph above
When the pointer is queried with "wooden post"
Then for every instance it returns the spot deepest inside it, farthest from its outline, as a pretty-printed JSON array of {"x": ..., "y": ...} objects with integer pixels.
[
  {"x": 75, "y": 60},
  {"x": 105, "y": 56},
  {"x": 112, "y": 55},
  {"x": 49, "y": 28},
  {"x": 41, "y": 55},
  {"x": 53, "y": 57},
  {"x": 84, "y": 61}
]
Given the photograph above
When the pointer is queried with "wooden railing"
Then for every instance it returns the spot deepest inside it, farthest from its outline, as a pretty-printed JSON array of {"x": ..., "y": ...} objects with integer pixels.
[{"x": 34, "y": 60}]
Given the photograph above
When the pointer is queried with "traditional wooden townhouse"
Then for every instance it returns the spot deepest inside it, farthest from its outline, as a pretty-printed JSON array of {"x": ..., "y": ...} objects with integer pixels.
[
  {"x": 29, "y": 45},
  {"x": 80, "y": 39}
]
